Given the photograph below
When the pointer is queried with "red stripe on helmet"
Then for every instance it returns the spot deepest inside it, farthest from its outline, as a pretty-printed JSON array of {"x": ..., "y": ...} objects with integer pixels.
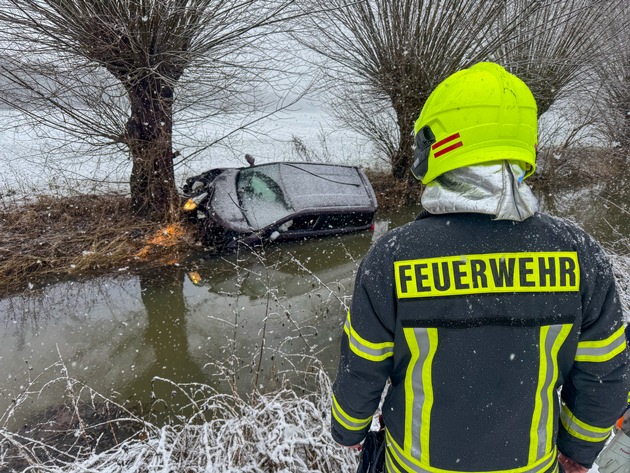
[
  {"x": 437, "y": 154},
  {"x": 445, "y": 140}
]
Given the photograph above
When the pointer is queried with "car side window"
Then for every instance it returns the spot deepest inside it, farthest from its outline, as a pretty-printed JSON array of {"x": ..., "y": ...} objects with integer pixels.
[
  {"x": 304, "y": 223},
  {"x": 354, "y": 219}
]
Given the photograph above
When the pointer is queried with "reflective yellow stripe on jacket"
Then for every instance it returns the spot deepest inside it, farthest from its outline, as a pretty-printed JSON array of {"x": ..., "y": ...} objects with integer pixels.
[
  {"x": 349, "y": 422},
  {"x": 541, "y": 436},
  {"x": 397, "y": 460},
  {"x": 364, "y": 348},
  {"x": 422, "y": 343},
  {"x": 414, "y": 454},
  {"x": 600, "y": 351},
  {"x": 582, "y": 430}
]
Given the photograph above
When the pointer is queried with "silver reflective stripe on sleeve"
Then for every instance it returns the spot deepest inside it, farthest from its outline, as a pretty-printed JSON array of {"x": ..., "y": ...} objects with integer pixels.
[
  {"x": 364, "y": 348},
  {"x": 600, "y": 351},
  {"x": 582, "y": 430},
  {"x": 347, "y": 421}
]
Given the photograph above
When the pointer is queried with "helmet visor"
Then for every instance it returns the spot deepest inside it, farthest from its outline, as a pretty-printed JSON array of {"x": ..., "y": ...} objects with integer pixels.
[{"x": 422, "y": 148}]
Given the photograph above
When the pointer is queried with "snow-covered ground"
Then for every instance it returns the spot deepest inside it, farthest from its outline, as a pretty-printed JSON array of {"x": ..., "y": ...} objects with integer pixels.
[
  {"x": 280, "y": 432},
  {"x": 35, "y": 162}
]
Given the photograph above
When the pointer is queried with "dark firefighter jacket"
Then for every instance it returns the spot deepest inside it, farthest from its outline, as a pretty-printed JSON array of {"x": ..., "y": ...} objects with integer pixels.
[{"x": 478, "y": 323}]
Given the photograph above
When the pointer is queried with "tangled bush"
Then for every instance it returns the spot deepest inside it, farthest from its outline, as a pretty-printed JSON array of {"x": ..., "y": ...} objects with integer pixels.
[{"x": 284, "y": 431}]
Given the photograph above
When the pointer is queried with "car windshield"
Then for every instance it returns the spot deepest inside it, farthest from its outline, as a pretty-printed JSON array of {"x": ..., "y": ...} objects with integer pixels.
[{"x": 260, "y": 196}]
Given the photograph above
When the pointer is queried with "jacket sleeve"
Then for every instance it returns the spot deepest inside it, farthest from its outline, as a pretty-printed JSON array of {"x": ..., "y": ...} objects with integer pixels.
[
  {"x": 596, "y": 391},
  {"x": 367, "y": 348}
]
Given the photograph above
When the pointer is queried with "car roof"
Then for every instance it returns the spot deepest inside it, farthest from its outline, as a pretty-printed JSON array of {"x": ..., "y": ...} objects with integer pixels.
[{"x": 318, "y": 185}]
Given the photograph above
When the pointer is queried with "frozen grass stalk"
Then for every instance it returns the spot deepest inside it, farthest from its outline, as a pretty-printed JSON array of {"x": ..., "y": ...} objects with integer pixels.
[{"x": 282, "y": 431}]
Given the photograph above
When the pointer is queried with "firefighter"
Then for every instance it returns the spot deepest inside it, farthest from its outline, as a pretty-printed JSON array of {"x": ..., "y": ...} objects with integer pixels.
[{"x": 480, "y": 310}]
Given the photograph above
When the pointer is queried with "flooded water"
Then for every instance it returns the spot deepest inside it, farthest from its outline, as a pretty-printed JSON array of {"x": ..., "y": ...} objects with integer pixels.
[{"x": 236, "y": 322}]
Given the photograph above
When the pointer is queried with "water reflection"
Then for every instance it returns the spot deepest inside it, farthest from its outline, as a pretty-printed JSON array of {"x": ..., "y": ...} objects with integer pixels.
[
  {"x": 84, "y": 324},
  {"x": 602, "y": 210},
  {"x": 268, "y": 314},
  {"x": 164, "y": 335},
  {"x": 251, "y": 320}
]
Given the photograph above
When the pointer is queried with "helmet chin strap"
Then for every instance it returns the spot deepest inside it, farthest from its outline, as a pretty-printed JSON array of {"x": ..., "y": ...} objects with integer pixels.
[{"x": 494, "y": 189}]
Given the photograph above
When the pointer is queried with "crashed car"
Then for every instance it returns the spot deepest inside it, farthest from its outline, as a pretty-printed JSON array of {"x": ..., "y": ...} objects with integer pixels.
[{"x": 279, "y": 201}]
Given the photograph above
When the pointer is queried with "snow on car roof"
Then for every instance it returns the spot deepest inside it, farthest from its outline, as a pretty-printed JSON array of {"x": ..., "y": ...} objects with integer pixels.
[{"x": 312, "y": 185}]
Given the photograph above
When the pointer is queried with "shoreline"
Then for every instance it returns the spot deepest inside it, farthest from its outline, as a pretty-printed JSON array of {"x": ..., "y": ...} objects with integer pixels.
[{"x": 56, "y": 238}]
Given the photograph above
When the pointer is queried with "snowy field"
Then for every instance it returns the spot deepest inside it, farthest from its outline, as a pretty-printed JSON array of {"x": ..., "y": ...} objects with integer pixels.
[{"x": 39, "y": 162}]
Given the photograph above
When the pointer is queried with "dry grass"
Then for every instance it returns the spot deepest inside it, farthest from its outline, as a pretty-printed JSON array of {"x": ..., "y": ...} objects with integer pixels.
[
  {"x": 391, "y": 193},
  {"x": 73, "y": 235},
  {"x": 571, "y": 167}
]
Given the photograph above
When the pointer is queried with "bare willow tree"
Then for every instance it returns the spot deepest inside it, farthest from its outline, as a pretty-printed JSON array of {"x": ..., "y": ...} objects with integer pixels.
[
  {"x": 112, "y": 73},
  {"x": 614, "y": 73},
  {"x": 553, "y": 46},
  {"x": 387, "y": 55}
]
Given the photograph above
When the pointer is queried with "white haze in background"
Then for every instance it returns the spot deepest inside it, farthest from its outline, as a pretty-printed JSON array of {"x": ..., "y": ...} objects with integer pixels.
[
  {"x": 40, "y": 161},
  {"x": 30, "y": 164}
]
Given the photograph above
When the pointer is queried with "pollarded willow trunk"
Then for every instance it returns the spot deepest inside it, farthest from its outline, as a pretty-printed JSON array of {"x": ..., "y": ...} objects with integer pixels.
[
  {"x": 402, "y": 160},
  {"x": 407, "y": 108},
  {"x": 149, "y": 138}
]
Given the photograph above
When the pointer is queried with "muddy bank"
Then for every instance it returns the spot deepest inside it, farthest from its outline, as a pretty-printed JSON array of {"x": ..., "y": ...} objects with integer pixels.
[{"x": 78, "y": 237}]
